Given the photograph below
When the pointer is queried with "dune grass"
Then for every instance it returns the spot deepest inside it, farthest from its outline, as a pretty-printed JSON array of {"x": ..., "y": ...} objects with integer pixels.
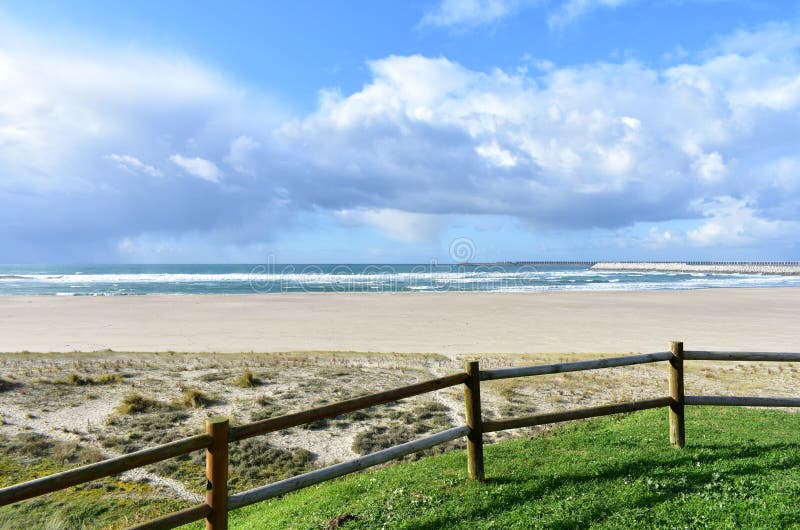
[
  {"x": 740, "y": 469},
  {"x": 105, "y": 503}
]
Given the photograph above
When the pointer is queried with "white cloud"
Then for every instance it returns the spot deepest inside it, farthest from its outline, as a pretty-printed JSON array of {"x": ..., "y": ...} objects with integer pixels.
[
  {"x": 469, "y": 13},
  {"x": 134, "y": 165},
  {"x": 63, "y": 107},
  {"x": 571, "y": 10},
  {"x": 495, "y": 142},
  {"x": 710, "y": 168},
  {"x": 466, "y": 14},
  {"x": 396, "y": 224},
  {"x": 774, "y": 38},
  {"x": 496, "y": 155},
  {"x": 736, "y": 223},
  {"x": 782, "y": 93},
  {"x": 600, "y": 144},
  {"x": 658, "y": 238},
  {"x": 784, "y": 173},
  {"x": 595, "y": 145},
  {"x": 198, "y": 167},
  {"x": 243, "y": 155}
]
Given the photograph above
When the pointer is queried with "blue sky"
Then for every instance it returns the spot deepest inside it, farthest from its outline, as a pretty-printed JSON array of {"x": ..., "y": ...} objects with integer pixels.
[{"x": 382, "y": 132}]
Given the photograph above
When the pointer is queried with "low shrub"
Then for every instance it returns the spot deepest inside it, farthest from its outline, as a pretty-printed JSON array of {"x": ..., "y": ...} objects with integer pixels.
[
  {"x": 6, "y": 385},
  {"x": 403, "y": 426},
  {"x": 256, "y": 462},
  {"x": 138, "y": 431},
  {"x": 269, "y": 409},
  {"x": 36, "y": 446}
]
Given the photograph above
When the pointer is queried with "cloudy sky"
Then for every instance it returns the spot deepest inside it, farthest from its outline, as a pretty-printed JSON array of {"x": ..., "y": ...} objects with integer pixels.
[{"x": 382, "y": 131}]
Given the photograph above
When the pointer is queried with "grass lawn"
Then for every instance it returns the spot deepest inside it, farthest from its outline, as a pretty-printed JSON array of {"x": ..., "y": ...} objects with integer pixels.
[{"x": 740, "y": 469}]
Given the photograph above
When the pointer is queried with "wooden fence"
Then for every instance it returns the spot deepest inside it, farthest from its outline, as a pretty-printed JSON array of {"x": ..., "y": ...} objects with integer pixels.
[{"x": 219, "y": 434}]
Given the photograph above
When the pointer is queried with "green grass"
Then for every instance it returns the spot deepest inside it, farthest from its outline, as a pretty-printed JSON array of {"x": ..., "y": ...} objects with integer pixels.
[{"x": 740, "y": 469}]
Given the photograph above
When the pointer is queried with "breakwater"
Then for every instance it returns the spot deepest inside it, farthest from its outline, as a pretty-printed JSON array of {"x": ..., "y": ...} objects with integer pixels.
[{"x": 719, "y": 267}]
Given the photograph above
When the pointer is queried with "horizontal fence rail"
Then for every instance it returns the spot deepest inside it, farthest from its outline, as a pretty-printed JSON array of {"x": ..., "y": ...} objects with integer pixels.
[
  {"x": 576, "y": 366},
  {"x": 742, "y": 401},
  {"x": 579, "y": 414},
  {"x": 741, "y": 356},
  {"x": 219, "y": 435},
  {"x": 329, "y": 411},
  {"x": 337, "y": 470},
  {"x": 106, "y": 468}
]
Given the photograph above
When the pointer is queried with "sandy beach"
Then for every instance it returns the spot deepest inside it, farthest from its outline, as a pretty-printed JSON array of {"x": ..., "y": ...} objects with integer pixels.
[
  {"x": 320, "y": 348},
  {"x": 448, "y": 323}
]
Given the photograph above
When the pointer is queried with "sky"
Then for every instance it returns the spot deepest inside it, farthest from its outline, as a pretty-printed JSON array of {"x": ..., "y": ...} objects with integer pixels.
[{"x": 392, "y": 132}]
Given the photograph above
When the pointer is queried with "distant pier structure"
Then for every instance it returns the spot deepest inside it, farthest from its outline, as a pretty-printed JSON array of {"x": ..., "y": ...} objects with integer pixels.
[
  {"x": 674, "y": 262},
  {"x": 534, "y": 263},
  {"x": 791, "y": 268}
]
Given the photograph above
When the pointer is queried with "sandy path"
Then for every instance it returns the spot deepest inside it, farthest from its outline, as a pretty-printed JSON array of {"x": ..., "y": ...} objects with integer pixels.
[{"x": 746, "y": 319}]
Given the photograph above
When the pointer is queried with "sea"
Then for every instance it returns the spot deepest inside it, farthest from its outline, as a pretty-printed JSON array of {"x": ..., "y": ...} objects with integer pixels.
[{"x": 121, "y": 280}]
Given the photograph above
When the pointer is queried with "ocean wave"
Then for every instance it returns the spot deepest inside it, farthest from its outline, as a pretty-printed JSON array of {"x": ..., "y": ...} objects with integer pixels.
[
  {"x": 272, "y": 277},
  {"x": 369, "y": 279}
]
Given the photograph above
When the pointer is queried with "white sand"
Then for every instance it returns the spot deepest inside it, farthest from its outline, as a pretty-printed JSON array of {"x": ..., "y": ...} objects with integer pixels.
[{"x": 451, "y": 323}]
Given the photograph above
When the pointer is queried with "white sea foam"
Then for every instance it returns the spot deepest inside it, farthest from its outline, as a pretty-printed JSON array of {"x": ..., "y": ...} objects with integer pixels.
[
  {"x": 382, "y": 278},
  {"x": 463, "y": 277}
]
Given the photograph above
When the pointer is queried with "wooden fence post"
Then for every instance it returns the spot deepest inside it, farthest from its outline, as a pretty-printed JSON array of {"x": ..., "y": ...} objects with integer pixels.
[
  {"x": 472, "y": 400},
  {"x": 217, "y": 474},
  {"x": 677, "y": 428}
]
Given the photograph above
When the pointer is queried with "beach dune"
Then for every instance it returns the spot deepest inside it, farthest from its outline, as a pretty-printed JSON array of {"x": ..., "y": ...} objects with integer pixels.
[{"x": 449, "y": 323}]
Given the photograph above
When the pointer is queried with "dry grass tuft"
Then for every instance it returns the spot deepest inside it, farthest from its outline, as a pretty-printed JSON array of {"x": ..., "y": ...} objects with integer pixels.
[
  {"x": 79, "y": 380},
  {"x": 248, "y": 380},
  {"x": 135, "y": 403},
  {"x": 197, "y": 399}
]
